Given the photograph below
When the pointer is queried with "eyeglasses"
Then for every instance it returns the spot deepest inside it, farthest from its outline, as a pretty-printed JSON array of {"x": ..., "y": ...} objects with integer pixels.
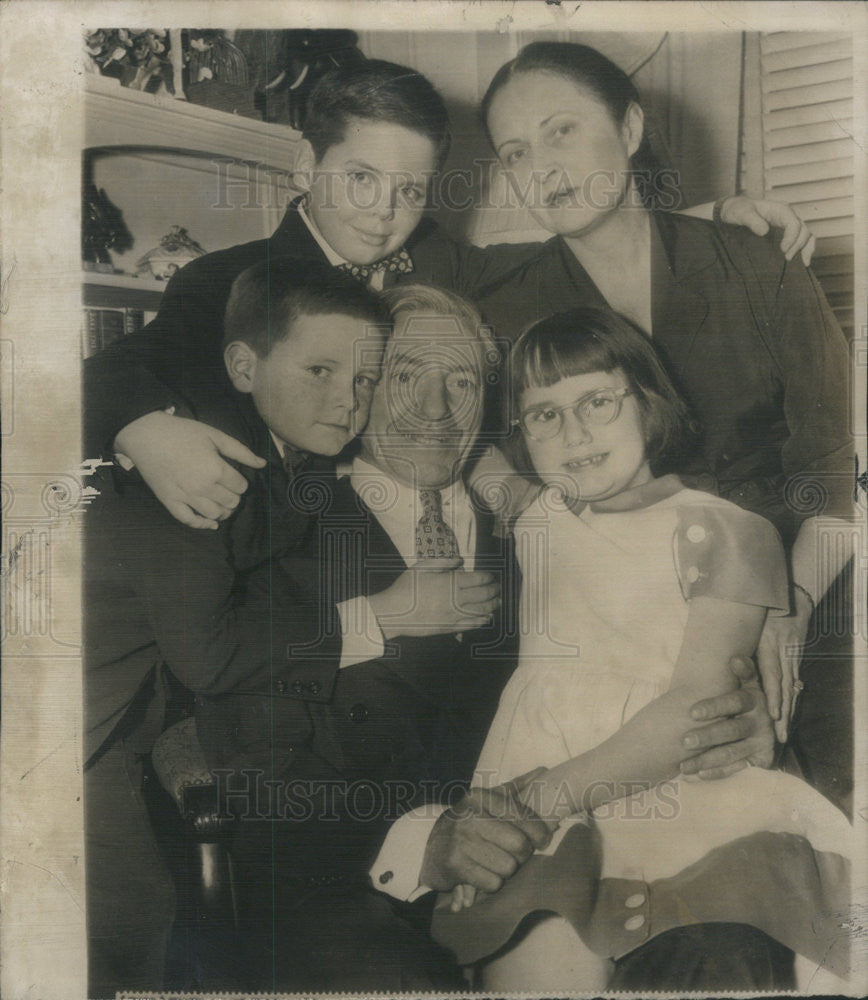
[{"x": 596, "y": 409}]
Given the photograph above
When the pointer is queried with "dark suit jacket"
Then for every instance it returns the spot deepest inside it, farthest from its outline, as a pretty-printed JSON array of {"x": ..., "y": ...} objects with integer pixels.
[
  {"x": 178, "y": 356},
  {"x": 748, "y": 339},
  {"x": 397, "y": 732},
  {"x": 159, "y": 594}
]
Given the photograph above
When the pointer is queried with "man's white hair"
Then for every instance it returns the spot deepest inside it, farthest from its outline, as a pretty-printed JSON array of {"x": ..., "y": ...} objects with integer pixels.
[{"x": 431, "y": 301}]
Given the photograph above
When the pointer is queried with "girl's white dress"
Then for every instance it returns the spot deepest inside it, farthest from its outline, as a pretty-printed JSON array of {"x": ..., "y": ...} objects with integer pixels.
[{"x": 605, "y": 598}]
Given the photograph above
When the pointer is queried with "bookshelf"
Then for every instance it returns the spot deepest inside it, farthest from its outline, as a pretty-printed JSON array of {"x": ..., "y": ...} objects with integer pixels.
[{"x": 164, "y": 162}]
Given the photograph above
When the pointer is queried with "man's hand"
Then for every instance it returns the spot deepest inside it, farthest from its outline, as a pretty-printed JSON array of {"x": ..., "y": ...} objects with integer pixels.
[
  {"x": 436, "y": 597},
  {"x": 779, "y": 655},
  {"x": 738, "y": 728},
  {"x": 758, "y": 214},
  {"x": 183, "y": 462},
  {"x": 483, "y": 840}
]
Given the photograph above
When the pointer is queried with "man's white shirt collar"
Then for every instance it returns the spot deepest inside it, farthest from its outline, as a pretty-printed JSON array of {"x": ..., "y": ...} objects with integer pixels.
[{"x": 363, "y": 475}]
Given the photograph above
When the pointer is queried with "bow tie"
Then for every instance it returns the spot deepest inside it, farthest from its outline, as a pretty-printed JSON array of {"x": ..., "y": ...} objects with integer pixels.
[{"x": 400, "y": 261}]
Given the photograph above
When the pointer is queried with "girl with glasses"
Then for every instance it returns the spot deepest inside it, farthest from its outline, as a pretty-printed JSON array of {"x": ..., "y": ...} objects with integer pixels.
[{"x": 636, "y": 593}]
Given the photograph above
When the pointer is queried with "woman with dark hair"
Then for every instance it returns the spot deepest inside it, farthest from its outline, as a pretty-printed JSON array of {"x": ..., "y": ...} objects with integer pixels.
[{"x": 746, "y": 336}]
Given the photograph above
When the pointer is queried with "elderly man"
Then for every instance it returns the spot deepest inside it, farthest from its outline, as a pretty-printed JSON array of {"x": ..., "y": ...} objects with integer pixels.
[{"x": 343, "y": 828}]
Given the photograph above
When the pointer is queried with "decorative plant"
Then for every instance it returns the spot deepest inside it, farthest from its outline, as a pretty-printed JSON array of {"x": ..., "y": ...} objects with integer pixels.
[
  {"x": 140, "y": 59},
  {"x": 102, "y": 229}
]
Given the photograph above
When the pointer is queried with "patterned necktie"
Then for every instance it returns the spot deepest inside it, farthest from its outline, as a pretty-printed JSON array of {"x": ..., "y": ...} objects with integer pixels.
[
  {"x": 434, "y": 538},
  {"x": 399, "y": 262}
]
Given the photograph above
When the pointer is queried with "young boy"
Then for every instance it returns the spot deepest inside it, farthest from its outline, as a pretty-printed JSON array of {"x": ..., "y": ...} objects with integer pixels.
[
  {"x": 375, "y": 136},
  {"x": 166, "y": 603}
]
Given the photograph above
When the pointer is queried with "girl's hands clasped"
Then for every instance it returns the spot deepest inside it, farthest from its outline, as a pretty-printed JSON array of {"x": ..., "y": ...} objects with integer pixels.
[{"x": 483, "y": 840}]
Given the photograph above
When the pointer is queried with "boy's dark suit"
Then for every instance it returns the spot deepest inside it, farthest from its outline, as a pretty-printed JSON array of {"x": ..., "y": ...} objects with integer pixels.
[
  {"x": 157, "y": 592},
  {"x": 400, "y": 731}
]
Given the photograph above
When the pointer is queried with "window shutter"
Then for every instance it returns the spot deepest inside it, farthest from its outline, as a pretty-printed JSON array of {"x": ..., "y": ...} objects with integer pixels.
[{"x": 806, "y": 81}]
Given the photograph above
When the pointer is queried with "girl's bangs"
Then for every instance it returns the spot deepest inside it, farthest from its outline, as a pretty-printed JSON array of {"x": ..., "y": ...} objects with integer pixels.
[{"x": 546, "y": 361}]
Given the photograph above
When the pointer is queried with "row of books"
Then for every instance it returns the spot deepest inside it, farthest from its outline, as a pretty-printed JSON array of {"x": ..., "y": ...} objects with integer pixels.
[{"x": 102, "y": 327}]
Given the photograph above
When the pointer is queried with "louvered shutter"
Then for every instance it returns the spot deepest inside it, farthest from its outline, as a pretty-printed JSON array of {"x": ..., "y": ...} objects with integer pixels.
[{"x": 808, "y": 149}]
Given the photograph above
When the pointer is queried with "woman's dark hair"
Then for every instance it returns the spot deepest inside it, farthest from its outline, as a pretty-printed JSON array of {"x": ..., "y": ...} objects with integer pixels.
[
  {"x": 599, "y": 340},
  {"x": 591, "y": 71},
  {"x": 377, "y": 91},
  {"x": 267, "y": 299}
]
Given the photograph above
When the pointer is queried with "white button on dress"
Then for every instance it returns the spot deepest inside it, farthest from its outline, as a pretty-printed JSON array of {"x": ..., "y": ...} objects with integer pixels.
[{"x": 696, "y": 533}]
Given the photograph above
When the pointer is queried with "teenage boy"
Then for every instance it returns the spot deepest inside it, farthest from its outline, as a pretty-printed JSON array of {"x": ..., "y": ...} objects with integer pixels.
[
  {"x": 375, "y": 136},
  {"x": 212, "y": 610}
]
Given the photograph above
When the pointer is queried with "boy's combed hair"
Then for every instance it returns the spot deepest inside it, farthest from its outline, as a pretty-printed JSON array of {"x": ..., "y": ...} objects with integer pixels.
[
  {"x": 378, "y": 91},
  {"x": 268, "y": 297},
  {"x": 599, "y": 340}
]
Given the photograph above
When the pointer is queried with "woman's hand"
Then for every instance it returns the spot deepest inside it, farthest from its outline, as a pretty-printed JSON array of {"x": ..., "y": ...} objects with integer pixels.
[
  {"x": 184, "y": 463},
  {"x": 758, "y": 214},
  {"x": 779, "y": 655}
]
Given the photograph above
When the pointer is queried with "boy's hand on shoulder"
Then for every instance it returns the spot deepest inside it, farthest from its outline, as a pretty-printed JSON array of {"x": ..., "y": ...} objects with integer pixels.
[
  {"x": 758, "y": 214},
  {"x": 184, "y": 463},
  {"x": 436, "y": 597}
]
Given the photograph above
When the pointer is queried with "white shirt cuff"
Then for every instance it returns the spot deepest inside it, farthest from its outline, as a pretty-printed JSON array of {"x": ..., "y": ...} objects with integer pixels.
[
  {"x": 398, "y": 867},
  {"x": 362, "y": 638}
]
